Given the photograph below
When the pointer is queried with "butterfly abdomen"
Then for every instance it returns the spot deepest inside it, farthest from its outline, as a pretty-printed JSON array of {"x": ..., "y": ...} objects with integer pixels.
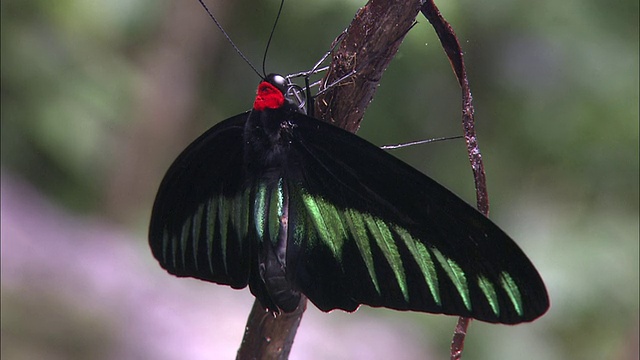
[
  {"x": 271, "y": 223},
  {"x": 273, "y": 274}
]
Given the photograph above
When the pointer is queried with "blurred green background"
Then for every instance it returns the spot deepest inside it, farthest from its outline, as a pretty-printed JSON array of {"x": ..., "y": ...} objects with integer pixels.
[{"x": 99, "y": 97}]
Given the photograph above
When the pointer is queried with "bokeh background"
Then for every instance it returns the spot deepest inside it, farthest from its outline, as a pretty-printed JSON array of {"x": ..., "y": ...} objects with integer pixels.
[{"x": 98, "y": 97}]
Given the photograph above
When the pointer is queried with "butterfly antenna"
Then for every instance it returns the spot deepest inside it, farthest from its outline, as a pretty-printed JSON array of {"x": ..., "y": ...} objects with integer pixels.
[
  {"x": 398, "y": 146},
  {"x": 273, "y": 29},
  {"x": 229, "y": 39}
]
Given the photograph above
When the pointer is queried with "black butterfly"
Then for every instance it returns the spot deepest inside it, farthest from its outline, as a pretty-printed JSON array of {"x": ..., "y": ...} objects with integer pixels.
[{"x": 291, "y": 205}]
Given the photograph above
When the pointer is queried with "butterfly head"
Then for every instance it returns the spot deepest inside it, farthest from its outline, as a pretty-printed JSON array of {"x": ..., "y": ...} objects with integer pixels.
[{"x": 270, "y": 93}]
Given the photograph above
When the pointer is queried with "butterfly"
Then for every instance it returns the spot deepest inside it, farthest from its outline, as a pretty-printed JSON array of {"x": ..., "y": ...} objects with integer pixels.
[{"x": 290, "y": 206}]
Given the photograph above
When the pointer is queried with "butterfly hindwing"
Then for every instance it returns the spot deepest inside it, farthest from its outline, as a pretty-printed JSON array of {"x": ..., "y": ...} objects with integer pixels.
[
  {"x": 200, "y": 219},
  {"x": 370, "y": 229}
]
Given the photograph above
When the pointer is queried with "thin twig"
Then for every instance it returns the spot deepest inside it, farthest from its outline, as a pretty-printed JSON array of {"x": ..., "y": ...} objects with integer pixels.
[{"x": 452, "y": 48}]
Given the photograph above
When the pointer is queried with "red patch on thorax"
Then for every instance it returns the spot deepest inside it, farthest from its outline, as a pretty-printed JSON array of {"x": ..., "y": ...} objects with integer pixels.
[{"x": 268, "y": 97}]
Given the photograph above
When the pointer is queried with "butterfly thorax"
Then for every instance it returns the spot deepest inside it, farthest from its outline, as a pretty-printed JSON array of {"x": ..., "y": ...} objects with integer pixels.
[{"x": 268, "y": 129}]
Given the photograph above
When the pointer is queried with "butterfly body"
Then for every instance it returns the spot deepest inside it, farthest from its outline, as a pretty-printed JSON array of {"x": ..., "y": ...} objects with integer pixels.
[{"x": 289, "y": 205}]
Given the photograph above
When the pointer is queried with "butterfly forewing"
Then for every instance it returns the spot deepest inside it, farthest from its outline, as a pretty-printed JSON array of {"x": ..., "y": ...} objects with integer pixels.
[
  {"x": 378, "y": 232},
  {"x": 200, "y": 219}
]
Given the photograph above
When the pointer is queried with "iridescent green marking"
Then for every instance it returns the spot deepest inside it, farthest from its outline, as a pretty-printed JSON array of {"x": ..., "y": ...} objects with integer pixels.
[
  {"x": 300, "y": 233},
  {"x": 335, "y": 229},
  {"x": 184, "y": 238},
  {"x": 358, "y": 230},
  {"x": 210, "y": 232},
  {"x": 260, "y": 215},
  {"x": 276, "y": 200},
  {"x": 327, "y": 222},
  {"x": 300, "y": 227},
  {"x": 240, "y": 215},
  {"x": 246, "y": 217},
  {"x": 423, "y": 258},
  {"x": 490, "y": 293},
  {"x": 512, "y": 290},
  {"x": 383, "y": 237},
  {"x": 224, "y": 207},
  {"x": 195, "y": 233},
  {"x": 314, "y": 210},
  {"x": 281, "y": 196},
  {"x": 456, "y": 274}
]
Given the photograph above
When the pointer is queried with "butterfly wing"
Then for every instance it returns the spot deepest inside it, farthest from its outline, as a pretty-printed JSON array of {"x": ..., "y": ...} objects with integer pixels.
[
  {"x": 200, "y": 219},
  {"x": 370, "y": 229}
]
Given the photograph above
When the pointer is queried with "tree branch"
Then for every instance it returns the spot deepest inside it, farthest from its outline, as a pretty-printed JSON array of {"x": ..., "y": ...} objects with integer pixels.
[
  {"x": 369, "y": 44},
  {"x": 270, "y": 337},
  {"x": 367, "y": 48}
]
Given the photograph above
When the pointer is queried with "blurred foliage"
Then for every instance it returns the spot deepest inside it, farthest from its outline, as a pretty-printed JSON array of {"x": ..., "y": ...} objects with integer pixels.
[
  {"x": 556, "y": 89},
  {"x": 66, "y": 84},
  {"x": 62, "y": 331}
]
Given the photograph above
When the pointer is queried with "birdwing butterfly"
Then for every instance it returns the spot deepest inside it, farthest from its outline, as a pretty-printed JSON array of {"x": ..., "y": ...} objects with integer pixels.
[{"x": 290, "y": 206}]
